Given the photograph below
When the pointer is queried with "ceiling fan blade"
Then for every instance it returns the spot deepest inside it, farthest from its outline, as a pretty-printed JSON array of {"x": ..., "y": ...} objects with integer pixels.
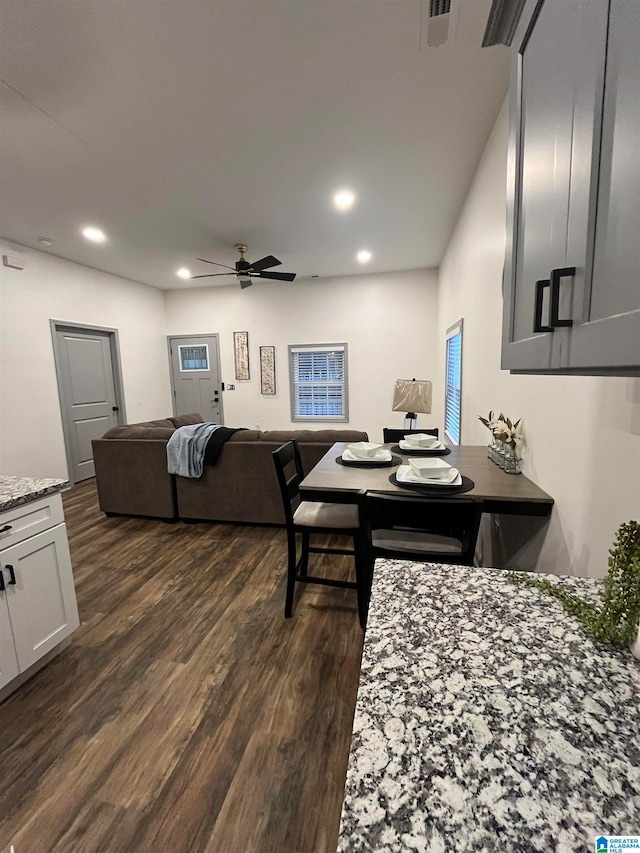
[
  {"x": 265, "y": 263},
  {"x": 216, "y": 264},
  {"x": 245, "y": 283},
  {"x": 210, "y": 275},
  {"x": 277, "y": 276}
]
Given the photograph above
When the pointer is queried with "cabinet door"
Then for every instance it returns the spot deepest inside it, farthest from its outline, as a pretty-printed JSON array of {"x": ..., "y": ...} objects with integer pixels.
[
  {"x": 559, "y": 59},
  {"x": 606, "y": 330},
  {"x": 42, "y": 602},
  {"x": 8, "y": 660}
]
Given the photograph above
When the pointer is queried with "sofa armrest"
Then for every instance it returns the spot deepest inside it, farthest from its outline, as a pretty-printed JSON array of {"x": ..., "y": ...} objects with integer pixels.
[{"x": 132, "y": 477}]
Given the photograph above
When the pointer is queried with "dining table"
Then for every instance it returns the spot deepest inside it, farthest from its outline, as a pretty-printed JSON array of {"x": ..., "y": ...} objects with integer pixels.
[{"x": 500, "y": 493}]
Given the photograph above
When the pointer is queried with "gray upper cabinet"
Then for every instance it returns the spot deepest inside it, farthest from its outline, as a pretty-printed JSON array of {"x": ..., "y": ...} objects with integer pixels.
[{"x": 571, "y": 285}]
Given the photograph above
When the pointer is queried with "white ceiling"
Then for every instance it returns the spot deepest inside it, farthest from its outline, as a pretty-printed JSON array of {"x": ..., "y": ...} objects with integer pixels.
[{"x": 181, "y": 127}]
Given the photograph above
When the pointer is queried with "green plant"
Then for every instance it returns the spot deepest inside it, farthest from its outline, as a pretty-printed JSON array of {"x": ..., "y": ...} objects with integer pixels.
[{"x": 616, "y": 619}]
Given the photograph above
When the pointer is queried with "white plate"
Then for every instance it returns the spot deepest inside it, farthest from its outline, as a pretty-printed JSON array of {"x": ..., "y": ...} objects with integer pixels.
[
  {"x": 404, "y": 474},
  {"x": 437, "y": 445},
  {"x": 381, "y": 455}
]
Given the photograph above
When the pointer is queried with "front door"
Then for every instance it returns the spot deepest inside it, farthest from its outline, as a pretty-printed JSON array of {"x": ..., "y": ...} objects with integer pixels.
[
  {"x": 195, "y": 373},
  {"x": 87, "y": 393}
]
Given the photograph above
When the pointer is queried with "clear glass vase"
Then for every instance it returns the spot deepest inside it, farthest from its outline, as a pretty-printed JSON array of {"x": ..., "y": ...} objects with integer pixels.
[
  {"x": 493, "y": 451},
  {"x": 512, "y": 463}
]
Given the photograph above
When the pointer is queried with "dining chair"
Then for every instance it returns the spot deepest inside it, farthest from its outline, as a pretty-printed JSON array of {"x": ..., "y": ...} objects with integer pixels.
[
  {"x": 390, "y": 434},
  {"x": 317, "y": 517},
  {"x": 435, "y": 530}
]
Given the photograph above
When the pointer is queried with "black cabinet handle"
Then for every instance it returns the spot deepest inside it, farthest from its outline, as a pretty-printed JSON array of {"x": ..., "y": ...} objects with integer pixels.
[
  {"x": 2, "y": 586},
  {"x": 538, "y": 325},
  {"x": 12, "y": 575},
  {"x": 556, "y": 275},
  {"x": 115, "y": 409},
  {"x": 5, "y": 528}
]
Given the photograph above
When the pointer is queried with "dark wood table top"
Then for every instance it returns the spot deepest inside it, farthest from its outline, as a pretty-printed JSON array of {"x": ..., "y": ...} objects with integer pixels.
[{"x": 512, "y": 494}]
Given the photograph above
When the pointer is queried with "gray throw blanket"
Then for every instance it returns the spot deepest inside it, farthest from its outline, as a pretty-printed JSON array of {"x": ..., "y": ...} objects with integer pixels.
[{"x": 186, "y": 447}]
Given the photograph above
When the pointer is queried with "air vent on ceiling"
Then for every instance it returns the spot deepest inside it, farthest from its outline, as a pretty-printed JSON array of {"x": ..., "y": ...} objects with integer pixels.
[{"x": 441, "y": 22}]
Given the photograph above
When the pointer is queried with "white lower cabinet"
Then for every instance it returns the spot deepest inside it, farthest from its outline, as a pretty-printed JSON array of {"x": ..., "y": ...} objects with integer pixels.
[
  {"x": 38, "y": 608},
  {"x": 8, "y": 660}
]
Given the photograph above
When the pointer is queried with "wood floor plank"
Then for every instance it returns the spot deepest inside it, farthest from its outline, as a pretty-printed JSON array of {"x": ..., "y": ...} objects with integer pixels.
[{"x": 187, "y": 714}]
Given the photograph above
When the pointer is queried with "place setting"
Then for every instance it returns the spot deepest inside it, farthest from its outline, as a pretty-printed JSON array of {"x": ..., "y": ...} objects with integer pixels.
[
  {"x": 366, "y": 454},
  {"x": 431, "y": 477},
  {"x": 422, "y": 444}
]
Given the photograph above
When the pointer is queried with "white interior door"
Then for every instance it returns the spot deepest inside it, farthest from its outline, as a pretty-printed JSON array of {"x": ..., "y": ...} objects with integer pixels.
[
  {"x": 87, "y": 393},
  {"x": 195, "y": 372}
]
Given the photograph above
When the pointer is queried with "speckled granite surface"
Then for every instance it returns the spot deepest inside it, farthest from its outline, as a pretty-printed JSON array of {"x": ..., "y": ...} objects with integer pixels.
[
  {"x": 20, "y": 490},
  {"x": 486, "y": 721}
]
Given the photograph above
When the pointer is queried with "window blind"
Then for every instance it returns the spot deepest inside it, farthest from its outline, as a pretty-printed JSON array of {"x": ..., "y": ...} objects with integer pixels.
[
  {"x": 453, "y": 384},
  {"x": 318, "y": 382}
]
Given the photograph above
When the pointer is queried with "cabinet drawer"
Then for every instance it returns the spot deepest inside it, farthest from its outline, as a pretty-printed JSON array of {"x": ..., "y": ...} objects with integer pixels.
[{"x": 30, "y": 518}]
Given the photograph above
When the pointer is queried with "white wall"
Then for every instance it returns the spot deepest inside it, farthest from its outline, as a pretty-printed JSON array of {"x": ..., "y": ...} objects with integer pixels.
[
  {"x": 31, "y": 439},
  {"x": 388, "y": 321},
  {"x": 582, "y": 433}
]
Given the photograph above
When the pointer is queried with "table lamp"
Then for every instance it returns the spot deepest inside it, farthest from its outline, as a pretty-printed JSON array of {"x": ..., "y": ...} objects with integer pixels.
[{"x": 412, "y": 396}]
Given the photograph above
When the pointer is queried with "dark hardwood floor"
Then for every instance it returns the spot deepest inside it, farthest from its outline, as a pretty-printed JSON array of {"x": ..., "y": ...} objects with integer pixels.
[{"x": 187, "y": 714}]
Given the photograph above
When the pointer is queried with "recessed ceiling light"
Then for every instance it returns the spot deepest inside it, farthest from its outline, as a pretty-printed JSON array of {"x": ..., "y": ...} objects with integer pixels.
[
  {"x": 344, "y": 199},
  {"x": 46, "y": 241},
  {"x": 364, "y": 256},
  {"x": 183, "y": 272},
  {"x": 94, "y": 234}
]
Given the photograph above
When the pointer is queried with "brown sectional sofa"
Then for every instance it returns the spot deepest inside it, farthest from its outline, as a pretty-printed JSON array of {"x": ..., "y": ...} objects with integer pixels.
[{"x": 132, "y": 477}]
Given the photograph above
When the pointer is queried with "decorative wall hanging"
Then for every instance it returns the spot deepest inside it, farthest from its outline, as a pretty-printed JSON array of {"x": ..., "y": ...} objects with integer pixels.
[
  {"x": 268, "y": 371},
  {"x": 241, "y": 354}
]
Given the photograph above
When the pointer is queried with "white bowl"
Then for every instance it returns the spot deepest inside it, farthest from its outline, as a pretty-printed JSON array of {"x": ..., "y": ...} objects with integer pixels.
[
  {"x": 421, "y": 439},
  {"x": 364, "y": 449},
  {"x": 430, "y": 469}
]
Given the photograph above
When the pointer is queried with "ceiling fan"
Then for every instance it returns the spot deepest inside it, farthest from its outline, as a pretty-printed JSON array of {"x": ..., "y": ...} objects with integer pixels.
[{"x": 245, "y": 271}]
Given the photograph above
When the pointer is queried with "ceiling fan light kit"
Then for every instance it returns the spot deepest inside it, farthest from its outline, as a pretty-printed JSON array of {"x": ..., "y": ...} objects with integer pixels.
[{"x": 245, "y": 271}]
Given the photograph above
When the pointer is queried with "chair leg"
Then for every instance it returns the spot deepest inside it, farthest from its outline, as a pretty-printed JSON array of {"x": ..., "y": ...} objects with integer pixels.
[
  {"x": 363, "y": 571},
  {"x": 304, "y": 557},
  {"x": 291, "y": 573}
]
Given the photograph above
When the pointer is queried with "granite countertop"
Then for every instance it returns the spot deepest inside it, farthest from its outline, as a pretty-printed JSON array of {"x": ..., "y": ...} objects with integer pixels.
[
  {"x": 20, "y": 490},
  {"x": 487, "y": 721}
]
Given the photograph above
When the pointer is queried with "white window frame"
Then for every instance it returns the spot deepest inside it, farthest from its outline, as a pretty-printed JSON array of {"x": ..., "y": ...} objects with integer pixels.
[
  {"x": 344, "y": 418},
  {"x": 193, "y": 369},
  {"x": 452, "y": 331}
]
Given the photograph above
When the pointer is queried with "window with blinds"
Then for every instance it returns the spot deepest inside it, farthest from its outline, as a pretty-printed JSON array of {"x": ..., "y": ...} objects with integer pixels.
[
  {"x": 453, "y": 383},
  {"x": 318, "y": 382}
]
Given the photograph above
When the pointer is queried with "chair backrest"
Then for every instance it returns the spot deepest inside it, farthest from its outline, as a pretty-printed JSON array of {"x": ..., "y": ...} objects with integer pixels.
[
  {"x": 455, "y": 518},
  {"x": 389, "y": 434},
  {"x": 290, "y": 474}
]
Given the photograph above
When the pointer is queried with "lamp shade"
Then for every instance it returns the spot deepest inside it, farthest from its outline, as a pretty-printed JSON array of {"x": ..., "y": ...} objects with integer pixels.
[{"x": 412, "y": 395}]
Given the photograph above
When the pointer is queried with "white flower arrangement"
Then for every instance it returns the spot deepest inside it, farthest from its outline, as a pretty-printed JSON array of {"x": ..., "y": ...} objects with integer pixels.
[{"x": 505, "y": 430}]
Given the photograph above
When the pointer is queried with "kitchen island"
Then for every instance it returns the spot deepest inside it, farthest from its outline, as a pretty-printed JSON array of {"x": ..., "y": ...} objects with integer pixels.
[
  {"x": 38, "y": 609},
  {"x": 486, "y": 720}
]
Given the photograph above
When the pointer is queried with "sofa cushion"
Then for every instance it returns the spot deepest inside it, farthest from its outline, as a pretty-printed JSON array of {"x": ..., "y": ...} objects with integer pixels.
[
  {"x": 138, "y": 431},
  {"x": 186, "y": 420},
  {"x": 246, "y": 435}
]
